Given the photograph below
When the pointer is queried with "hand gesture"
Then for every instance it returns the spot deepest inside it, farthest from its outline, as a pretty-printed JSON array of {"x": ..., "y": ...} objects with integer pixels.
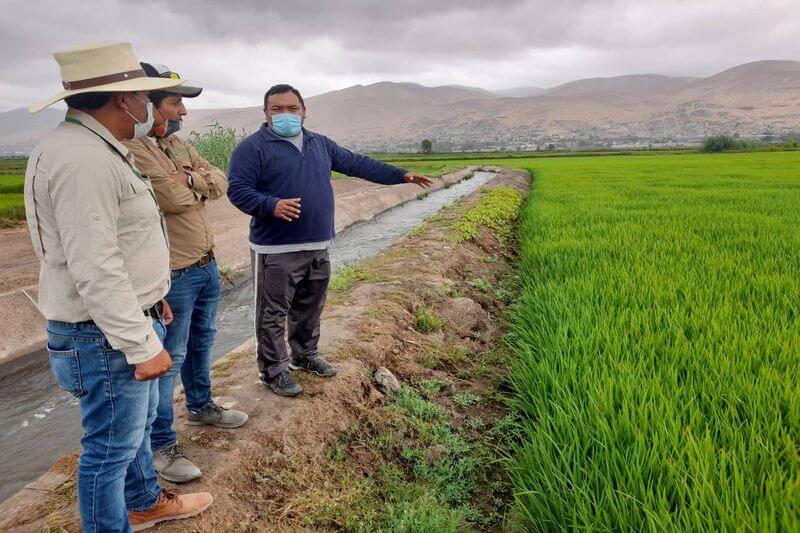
[
  {"x": 419, "y": 179},
  {"x": 288, "y": 209}
]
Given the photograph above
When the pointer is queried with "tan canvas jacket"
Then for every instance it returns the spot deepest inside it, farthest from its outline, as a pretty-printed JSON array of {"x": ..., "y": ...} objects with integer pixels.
[
  {"x": 98, "y": 233},
  {"x": 190, "y": 233}
]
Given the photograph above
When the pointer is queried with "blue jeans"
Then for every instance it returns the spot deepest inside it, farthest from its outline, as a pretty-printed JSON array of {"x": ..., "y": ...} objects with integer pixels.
[
  {"x": 193, "y": 297},
  {"x": 115, "y": 471}
]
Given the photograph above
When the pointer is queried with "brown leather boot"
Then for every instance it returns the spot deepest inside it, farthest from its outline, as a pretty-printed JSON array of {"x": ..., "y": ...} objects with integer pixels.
[{"x": 170, "y": 507}]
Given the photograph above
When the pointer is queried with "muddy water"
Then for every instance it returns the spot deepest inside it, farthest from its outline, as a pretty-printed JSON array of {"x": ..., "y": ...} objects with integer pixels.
[{"x": 39, "y": 423}]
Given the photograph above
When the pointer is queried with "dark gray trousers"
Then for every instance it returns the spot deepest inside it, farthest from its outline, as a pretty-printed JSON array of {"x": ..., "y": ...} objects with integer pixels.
[{"x": 289, "y": 287}]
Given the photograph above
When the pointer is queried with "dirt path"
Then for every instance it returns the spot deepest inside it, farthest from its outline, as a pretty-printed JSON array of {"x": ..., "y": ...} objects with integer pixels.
[
  {"x": 364, "y": 327},
  {"x": 19, "y": 266}
]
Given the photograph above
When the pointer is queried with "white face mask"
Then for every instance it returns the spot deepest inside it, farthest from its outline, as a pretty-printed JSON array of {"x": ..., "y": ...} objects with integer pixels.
[{"x": 140, "y": 129}]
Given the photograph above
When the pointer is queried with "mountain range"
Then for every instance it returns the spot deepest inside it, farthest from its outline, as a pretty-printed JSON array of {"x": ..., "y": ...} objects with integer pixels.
[{"x": 754, "y": 100}]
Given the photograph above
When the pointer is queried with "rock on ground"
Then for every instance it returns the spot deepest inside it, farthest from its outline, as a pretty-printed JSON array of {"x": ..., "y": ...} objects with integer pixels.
[
  {"x": 386, "y": 382},
  {"x": 464, "y": 316}
]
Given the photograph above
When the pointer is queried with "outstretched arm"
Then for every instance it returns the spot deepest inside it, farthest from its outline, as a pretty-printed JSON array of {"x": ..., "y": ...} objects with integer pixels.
[{"x": 361, "y": 166}]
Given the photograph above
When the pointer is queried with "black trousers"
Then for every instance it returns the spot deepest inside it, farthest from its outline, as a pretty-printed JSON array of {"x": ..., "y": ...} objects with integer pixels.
[{"x": 289, "y": 288}]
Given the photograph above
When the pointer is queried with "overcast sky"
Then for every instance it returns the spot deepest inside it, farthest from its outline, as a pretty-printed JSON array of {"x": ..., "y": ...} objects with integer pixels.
[{"x": 237, "y": 48}]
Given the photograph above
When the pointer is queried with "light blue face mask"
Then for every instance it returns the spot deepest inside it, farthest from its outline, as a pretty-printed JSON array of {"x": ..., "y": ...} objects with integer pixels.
[
  {"x": 140, "y": 129},
  {"x": 286, "y": 124}
]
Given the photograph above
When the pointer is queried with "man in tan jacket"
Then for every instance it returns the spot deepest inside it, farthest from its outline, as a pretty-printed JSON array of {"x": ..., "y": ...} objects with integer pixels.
[{"x": 183, "y": 182}]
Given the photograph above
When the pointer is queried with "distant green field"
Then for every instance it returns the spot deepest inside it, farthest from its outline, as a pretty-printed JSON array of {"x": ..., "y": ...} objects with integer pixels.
[
  {"x": 11, "y": 183},
  {"x": 658, "y": 333},
  {"x": 12, "y": 208},
  {"x": 12, "y": 165}
]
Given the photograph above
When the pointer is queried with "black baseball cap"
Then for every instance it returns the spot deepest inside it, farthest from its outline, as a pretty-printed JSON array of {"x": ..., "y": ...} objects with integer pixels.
[{"x": 154, "y": 70}]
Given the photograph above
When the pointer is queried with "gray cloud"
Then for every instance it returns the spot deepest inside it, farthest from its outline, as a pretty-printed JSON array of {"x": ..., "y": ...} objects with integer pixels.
[{"x": 237, "y": 48}]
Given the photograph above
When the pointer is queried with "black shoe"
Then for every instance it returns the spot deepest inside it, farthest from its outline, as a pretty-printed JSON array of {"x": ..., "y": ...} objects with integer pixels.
[
  {"x": 316, "y": 365},
  {"x": 283, "y": 384}
]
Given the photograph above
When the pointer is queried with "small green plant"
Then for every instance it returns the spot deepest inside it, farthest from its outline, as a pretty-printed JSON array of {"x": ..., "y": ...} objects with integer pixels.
[
  {"x": 424, "y": 514},
  {"x": 481, "y": 285},
  {"x": 347, "y": 276},
  {"x": 508, "y": 289},
  {"x": 419, "y": 230},
  {"x": 431, "y": 388},
  {"x": 448, "y": 288},
  {"x": 260, "y": 478},
  {"x": 217, "y": 144},
  {"x": 422, "y": 196},
  {"x": 410, "y": 400},
  {"x": 446, "y": 358},
  {"x": 466, "y": 399},
  {"x": 425, "y": 321},
  {"x": 226, "y": 274}
]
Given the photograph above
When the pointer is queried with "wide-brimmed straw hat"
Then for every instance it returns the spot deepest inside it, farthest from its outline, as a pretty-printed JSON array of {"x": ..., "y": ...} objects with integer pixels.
[{"x": 99, "y": 68}]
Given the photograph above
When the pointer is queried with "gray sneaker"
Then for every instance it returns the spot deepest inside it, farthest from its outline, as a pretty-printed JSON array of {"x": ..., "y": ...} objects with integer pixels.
[
  {"x": 216, "y": 415},
  {"x": 172, "y": 465},
  {"x": 316, "y": 365},
  {"x": 283, "y": 384}
]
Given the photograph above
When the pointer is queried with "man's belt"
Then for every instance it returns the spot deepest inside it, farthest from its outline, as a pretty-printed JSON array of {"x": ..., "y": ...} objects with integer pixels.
[
  {"x": 206, "y": 259},
  {"x": 155, "y": 312}
]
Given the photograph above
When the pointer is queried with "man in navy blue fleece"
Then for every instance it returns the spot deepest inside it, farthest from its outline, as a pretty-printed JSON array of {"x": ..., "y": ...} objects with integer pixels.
[{"x": 281, "y": 176}]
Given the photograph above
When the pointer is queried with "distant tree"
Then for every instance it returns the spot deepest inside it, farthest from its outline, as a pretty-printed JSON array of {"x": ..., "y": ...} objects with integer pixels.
[
  {"x": 792, "y": 140},
  {"x": 426, "y": 147},
  {"x": 721, "y": 143},
  {"x": 551, "y": 146}
]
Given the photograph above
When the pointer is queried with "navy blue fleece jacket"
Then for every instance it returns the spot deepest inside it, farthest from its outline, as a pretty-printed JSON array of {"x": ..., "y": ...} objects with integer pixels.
[{"x": 266, "y": 168}]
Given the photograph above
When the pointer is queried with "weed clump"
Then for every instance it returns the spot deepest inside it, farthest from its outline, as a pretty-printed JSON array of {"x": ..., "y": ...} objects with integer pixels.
[
  {"x": 425, "y": 321},
  {"x": 217, "y": 144},
  {"x": 347, "y": 276},
  {"x": 497, "y": 210}
]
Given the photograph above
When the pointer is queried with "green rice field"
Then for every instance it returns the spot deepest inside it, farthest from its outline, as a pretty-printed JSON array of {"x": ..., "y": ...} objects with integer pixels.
[{"x": 658, "y": 342}]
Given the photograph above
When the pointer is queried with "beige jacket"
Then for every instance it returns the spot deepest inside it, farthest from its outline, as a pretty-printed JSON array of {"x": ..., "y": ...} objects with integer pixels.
[
  {"x": 98, "y": 233},
  {"x": 184, "y": 206}
]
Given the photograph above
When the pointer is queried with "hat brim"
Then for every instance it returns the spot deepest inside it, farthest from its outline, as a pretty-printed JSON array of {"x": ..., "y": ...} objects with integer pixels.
[
  {"x": 134, "y": 85},
  {"x": 187, "y": 91}
]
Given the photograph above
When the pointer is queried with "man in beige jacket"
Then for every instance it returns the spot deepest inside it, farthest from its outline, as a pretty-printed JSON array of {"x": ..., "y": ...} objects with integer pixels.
[
  {"x": 183, "y": 183},
  {"x": 101, "y": 241}
]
